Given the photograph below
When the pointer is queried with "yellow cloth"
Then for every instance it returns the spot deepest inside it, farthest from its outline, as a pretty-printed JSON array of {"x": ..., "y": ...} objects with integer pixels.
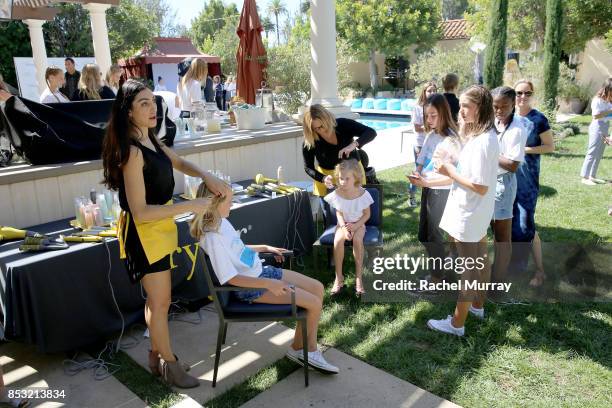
[
  {"x": 158, "y": 238},
  {"x": 320, "y": 190}
]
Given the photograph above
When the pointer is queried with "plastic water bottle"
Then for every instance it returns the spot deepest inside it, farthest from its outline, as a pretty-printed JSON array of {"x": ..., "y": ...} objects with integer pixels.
[{"x": 280, "y": 175}]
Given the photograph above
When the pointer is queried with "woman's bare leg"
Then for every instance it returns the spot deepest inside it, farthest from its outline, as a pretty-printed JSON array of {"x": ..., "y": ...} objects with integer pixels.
[{"x": 158, "y": 288}]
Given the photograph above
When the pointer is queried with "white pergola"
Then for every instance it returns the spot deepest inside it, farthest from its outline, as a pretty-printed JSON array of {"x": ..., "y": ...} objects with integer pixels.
[
  {"x": 323, "y": 75},
  {"x": 35, "y": 12}
]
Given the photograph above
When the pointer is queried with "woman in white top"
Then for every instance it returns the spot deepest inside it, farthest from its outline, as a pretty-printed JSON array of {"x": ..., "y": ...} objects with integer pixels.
[
  {"x": 189, "y": 88},
  {"x": 512, "y": 137},
  {"x": 441, "y": 144},
  {"x": 113, "y": 77},
  {"x": 160, "y": 85},
  {"x": 470, "y": 204},
  {"x": 428, "y": 89},
  {"x": 601, "y": 108},
  {"x": 230, "y": 87},
  {"x": 237, "y": 264},
  {"x": 54, "y": 77}
]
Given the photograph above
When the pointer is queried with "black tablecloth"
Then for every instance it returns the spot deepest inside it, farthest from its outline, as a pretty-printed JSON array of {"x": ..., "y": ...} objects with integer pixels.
[{"x": 62, "y": 300}]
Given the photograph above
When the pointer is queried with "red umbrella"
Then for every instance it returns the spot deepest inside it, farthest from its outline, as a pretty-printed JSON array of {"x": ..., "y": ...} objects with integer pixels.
[{"x": 251, "y": 56}]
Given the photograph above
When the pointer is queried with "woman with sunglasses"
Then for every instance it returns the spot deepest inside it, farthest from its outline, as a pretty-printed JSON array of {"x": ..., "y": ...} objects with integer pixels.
[{"x": 539, "y": 141}]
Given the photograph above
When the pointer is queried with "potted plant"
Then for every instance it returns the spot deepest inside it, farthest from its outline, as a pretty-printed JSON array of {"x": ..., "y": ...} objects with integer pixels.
[{"x": 573, "y": 97}]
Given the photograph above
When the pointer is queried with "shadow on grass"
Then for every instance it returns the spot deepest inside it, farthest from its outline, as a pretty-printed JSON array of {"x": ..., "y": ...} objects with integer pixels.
[{"x": 546, "y": 191}]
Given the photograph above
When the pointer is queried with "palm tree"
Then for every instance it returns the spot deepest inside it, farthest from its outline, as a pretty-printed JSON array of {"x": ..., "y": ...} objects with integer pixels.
[
  {"x": 267, "y": 25},
  {"x": 277, "y": 7}
]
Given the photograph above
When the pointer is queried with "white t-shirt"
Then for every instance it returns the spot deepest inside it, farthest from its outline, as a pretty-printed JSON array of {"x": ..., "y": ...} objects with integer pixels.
[
  {"x": 436, "y": 146},
  {"x": 159, "y": 87},
  {"x": 228, "y": 254},
  {"x": 512, "y": 142},
  {"x": 53, "y": 97},
  {"x": 467, "y": 214},
  {"x": 417, "y": 119},
  {"x": 352, "y": 210},
  {"x": 601, "y": 125},
  {"x": 188, "y": 94},
  {"x": 231, "y": 89}
]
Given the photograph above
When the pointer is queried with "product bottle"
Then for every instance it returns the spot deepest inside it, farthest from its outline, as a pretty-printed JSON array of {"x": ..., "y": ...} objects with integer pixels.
[{"x": 280, "y": 175}]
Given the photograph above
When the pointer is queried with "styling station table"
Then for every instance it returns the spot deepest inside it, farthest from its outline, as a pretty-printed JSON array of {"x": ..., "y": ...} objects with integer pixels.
[{"x": 62, "y": 300}]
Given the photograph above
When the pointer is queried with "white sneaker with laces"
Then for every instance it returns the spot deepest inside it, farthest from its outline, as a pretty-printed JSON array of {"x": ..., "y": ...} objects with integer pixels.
[
  {"x": 295, "y": 355},
  {"x": 479, "y": 313},
  {"x": 316, "y": 360},
  {"x": 588, "y": 182},
  {"x": 445, "y": 326}
]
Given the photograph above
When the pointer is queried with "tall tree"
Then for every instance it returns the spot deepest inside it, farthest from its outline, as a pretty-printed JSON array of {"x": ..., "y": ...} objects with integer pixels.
[
  {"x": 130, "y": 28},
  {"x": 69, "y": 33},
  {"x": 387, "y": 26},
  {"x": 453, "y": 9},
  {"x": 583, "y": 20},
  {"x": 277, "y": 7},
  {"x": 164, "y": 15},
  {"x": 14, "y": 42},
  {"x": 495, "y": 53},
  {"x": 268, "y": 25},
  {"x": 211, "y": 20},
  {"x": 552, "y": 51}
]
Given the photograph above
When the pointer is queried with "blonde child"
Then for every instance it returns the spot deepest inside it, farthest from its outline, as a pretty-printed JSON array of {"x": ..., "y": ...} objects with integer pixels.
[
  {"x": 237, "y": 264},
  {"x": 441, "y": 145},
  {"x": 352, "y": 205}
]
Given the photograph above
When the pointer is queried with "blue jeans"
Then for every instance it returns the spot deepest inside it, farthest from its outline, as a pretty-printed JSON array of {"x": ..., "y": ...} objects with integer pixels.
[{"x": 269, "y": 272}]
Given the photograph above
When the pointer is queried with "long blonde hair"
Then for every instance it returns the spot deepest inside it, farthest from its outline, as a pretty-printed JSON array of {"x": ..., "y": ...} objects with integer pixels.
[
  {"x": 316, "y": 112},
  {"x": 209, "y": 220},
  {"x": 352, "y": 166},
  {"x": 89, "y": 84},
  {"x": 198, "y": 70},
  {"x": 109, "y": 76},
  {"x": 485, "y": 116}
]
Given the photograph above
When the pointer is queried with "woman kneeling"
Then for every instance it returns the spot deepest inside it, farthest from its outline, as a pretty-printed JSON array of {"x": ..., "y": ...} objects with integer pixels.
[{"x": 238, "y": 265}]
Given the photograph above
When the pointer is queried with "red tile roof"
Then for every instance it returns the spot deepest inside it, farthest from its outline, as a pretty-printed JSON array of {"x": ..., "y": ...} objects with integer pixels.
[{"x": 454, "y": 30}]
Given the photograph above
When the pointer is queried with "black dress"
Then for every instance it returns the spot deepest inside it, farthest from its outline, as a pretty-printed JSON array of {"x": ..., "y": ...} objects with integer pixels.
[
  {"x": 105, "y": 93},
  {"x": 159, "y": 186}
]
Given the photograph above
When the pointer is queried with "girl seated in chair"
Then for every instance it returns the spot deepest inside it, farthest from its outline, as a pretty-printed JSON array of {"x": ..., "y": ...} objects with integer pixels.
[
  {"x": 237, "y": 264},
  {"x": 352, "y": 204}
]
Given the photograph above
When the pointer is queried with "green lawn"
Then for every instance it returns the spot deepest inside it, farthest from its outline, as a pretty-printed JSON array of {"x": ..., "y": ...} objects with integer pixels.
[{"x": 538, "y": 355}]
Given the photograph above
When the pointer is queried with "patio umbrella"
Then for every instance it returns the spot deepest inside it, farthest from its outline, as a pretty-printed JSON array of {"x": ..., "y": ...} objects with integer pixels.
[{"x": 251, "y": 55}]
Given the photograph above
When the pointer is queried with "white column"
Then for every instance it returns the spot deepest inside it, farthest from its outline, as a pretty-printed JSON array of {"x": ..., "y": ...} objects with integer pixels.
[
  {"x": 39, "y": 53},
  {"x": 323, "y": 67},
  {"x": 99, "y": 33}
]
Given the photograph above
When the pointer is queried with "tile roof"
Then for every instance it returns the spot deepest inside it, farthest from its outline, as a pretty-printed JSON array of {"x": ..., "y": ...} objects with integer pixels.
[{"x": 454, "y": 29}]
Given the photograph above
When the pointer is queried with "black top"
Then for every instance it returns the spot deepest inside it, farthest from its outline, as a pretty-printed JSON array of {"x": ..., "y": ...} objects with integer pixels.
[
  {"x": 105, "y": 93},
  {"x": 327, "y": 154},
  {"x": 453, "y": 102},
  {"x": 158, "y": 176},
  {"x": 71, "y": 87}
]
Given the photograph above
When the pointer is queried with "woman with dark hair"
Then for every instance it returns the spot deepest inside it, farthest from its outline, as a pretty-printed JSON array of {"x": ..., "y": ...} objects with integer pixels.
[
  {"x": 141, "y": 168},
  {"x": 601, "y": 109}
]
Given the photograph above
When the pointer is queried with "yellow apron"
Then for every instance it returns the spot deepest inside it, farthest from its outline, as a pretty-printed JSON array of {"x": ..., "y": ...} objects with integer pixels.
[
  {"x": 319, "y": 188},
  {"x": 158, "y": 238}
]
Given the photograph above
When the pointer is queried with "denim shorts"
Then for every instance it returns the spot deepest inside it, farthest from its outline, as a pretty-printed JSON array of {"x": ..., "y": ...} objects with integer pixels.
[
  {"x": 269, "y": 272},
  {"x": 505, "y": 193}
]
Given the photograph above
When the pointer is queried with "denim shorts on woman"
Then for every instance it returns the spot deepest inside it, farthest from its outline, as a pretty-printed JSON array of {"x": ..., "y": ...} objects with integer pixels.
[
  {"x": 269, "y": 272},
  {"x": 505, "y": 193}
]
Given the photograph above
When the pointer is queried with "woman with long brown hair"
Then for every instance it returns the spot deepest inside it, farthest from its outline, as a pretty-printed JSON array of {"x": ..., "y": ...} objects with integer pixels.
[
  {"x": 141, "y": 168},
  {"x": 601, "y": 109}
]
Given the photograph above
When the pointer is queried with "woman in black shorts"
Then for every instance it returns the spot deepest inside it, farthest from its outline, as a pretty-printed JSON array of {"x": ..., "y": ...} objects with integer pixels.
[{"x": 141, "y": 168}]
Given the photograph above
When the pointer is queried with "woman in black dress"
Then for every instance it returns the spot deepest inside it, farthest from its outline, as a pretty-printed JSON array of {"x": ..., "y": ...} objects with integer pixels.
[
  {"x": 140, "y": 167},
  {"x": 91, "y": 87}
]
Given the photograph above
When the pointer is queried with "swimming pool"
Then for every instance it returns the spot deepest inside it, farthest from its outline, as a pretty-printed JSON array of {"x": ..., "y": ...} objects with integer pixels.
[{"x": 382, "y": 122}]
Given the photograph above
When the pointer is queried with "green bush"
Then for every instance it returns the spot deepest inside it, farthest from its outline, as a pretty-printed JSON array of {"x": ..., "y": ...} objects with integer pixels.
[{"x": 435, "y": 64}]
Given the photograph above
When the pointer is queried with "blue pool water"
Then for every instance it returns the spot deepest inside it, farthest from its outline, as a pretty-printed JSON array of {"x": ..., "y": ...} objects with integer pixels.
[{"x": 382, "y": 122}]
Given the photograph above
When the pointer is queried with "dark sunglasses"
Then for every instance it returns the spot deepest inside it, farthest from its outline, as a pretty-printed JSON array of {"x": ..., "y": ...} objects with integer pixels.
[{"x": 526, "y": 93}]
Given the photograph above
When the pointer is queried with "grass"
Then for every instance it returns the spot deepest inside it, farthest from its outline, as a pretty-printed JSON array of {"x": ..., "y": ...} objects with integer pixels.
[{"x": 538, "y": 355}]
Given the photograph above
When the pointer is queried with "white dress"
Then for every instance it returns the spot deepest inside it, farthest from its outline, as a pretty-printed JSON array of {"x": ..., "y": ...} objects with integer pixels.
[{"x": 352, "y": 210}]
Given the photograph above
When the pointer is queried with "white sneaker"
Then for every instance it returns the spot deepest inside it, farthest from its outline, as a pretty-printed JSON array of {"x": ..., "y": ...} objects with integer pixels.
[
  {"x": 316, "y": 360},
  {"x": 445, "y": 326},
  {"x": 479, "y": 313},
  {"x": 588, "y": 182},
  {"x": 296, "y": 356},
  {"x": 598, "y": 181}
]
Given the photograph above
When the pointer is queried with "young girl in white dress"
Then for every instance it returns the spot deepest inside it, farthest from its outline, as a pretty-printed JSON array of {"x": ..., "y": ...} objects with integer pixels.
[{"x": 352, "y": 205}]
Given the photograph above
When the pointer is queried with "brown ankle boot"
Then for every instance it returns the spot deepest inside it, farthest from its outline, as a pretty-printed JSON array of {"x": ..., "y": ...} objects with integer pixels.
[
  {"x": 154, "y": 362},
  {"x": 174, "y": 374}
]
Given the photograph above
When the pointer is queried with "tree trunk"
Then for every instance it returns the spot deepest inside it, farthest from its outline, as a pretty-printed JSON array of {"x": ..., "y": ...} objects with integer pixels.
[
  {"x": 552, "y": 51},
  {"x": 277, "y": 30},
  {"x": 495, "y": 53},
  {"x": 373, "y": 70}
]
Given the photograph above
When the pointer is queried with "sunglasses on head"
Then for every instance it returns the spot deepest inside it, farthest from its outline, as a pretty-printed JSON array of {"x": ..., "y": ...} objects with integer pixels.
[{"x": 526, "y": 93}]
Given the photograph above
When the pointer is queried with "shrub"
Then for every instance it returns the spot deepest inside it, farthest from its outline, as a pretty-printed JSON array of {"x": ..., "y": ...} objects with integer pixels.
[{"x": 435, "y": 64}]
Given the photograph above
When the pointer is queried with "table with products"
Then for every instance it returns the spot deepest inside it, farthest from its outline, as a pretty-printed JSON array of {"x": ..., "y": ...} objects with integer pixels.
[{"x": 67, "y": 299}]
